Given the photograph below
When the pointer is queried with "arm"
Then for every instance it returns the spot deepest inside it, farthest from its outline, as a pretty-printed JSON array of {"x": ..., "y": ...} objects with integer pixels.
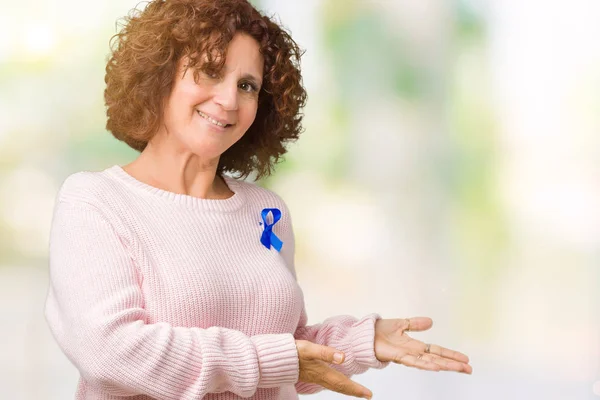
[
  {"x": 354, "y": 337},
  {"x": 95, "y": 310},
  {"x": 345, "y": 333}
]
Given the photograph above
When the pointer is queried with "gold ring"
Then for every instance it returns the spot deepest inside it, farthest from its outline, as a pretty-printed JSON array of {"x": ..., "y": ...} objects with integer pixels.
[
  {"x": 408, "y": 321},
  {"x": 427, "y": 347}
]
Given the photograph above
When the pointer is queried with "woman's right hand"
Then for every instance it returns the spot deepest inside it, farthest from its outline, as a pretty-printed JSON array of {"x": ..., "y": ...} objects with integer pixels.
[{"x": 314, "y": 368}]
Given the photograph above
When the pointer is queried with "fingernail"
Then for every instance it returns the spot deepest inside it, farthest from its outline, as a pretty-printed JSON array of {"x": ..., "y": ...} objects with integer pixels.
[{"x": 338, "y": 357}]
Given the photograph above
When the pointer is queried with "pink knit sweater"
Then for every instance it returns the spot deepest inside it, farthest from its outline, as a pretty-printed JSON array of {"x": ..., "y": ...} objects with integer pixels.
[{"x": 161, "y": 295}]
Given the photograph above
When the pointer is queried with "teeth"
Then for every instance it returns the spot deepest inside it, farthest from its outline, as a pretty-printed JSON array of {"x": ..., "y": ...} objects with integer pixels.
[{"x": 209, "y": 118}]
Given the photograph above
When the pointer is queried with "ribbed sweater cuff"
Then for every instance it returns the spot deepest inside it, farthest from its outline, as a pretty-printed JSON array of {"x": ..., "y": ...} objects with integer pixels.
[
  {"x": 277, "y": 359},
  {"x": 363, "y": 342}
]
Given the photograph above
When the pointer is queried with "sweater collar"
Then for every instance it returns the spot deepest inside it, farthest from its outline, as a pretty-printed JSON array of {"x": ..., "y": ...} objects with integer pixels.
[{"x": 230, "y": 204}]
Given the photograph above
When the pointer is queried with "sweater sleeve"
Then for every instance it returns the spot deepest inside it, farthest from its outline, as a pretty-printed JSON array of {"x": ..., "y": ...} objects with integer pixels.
[
  {"x": 355, "y": 337},
  {"x": 95, "y": 311}
]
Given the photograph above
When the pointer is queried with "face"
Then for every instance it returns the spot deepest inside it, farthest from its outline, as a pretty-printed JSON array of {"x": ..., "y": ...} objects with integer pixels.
[{"x": 208, "y": 116}]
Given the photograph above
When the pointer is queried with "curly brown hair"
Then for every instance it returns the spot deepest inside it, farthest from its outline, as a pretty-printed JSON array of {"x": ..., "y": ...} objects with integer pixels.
[{"x": 143, "y": 63}]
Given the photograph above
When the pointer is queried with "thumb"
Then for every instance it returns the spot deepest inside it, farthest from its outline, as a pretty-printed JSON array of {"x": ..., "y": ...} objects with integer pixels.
[
  {"x": 419, "y": 323},
  {"x": 312, "y": 351}
]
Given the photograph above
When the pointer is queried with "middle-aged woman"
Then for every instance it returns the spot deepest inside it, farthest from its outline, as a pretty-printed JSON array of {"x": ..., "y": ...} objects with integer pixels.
[{"x": 172, "y": 280}]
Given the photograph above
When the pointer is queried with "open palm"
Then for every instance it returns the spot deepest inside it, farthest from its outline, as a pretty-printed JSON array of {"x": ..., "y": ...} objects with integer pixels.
[{"x": 392, "y": 344}]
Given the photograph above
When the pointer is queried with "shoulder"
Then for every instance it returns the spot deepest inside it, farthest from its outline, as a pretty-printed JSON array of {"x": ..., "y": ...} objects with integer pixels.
[
  {"x": 92, "y": 200},
  {"x": 86, "y": 188}
]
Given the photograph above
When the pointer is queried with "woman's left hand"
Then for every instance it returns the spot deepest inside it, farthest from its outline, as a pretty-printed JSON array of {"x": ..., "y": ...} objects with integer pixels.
[{"x": 393, "y": 344}]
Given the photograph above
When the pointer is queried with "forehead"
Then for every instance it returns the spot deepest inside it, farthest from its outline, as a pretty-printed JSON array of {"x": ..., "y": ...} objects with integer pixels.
[{"x": 243, "y": 54}]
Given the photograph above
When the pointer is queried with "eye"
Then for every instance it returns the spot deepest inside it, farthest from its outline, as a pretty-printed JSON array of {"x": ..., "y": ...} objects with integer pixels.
[{"x": 248, "y": 87}]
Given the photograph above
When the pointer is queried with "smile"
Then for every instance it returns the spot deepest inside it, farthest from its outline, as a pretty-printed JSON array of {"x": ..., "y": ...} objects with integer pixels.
[{"x": 212, "y": 120}]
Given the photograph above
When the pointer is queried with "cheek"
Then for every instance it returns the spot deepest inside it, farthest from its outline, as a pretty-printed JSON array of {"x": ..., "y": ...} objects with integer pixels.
[{"x": 248, "y": 113}]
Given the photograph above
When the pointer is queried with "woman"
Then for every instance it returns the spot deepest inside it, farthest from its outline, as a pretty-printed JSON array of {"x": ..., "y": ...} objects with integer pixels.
[{"x": 172, "y": 280}]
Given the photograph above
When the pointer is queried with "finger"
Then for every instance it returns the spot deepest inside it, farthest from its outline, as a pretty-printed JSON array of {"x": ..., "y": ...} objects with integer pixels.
[
  {"x": 338, "y": 382},
  {"x": 446, "y": 353},
  {"x": 448, "y": 365},
  {"x": 419, "y": 362},
  {"x": 415, "y": 324},
  {"x": 312, "y": 351}
]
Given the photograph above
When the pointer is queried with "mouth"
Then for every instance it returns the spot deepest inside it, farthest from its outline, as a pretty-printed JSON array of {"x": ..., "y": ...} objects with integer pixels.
[{"x": 216, "y": 122}]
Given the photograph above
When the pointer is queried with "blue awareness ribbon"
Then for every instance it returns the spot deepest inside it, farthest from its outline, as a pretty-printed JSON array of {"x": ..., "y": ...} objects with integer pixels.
[{"x": 269, "y": 238}]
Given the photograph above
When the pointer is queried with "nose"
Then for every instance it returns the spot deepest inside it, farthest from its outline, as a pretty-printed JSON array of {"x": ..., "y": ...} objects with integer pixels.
[{"x": 226, "y": 95}]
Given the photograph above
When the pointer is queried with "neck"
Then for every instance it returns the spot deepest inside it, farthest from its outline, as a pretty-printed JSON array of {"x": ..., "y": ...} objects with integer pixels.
[{"x": 178, "y": 172}]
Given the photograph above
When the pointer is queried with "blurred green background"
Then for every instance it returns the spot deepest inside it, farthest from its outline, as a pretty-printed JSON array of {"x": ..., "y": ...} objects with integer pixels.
[{"x": 450, "y": 168}]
